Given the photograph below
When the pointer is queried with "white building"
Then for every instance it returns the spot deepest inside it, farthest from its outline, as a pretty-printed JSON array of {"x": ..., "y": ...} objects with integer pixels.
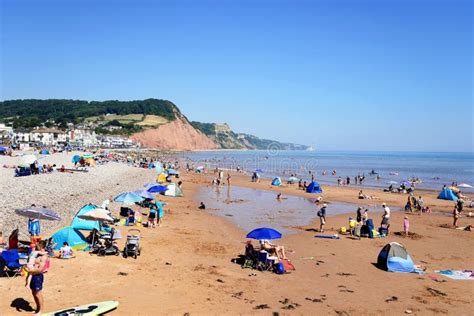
[
  {"x": 6, "y": 134},
  {"x": 48, "y": 137},
  {"x": 83, "y": 137}
]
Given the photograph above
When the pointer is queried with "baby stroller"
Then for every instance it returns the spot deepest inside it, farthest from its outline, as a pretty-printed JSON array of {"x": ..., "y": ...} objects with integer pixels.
[
  {"x": 106, "y": 246},
  {"x": 132, "y": 246}
]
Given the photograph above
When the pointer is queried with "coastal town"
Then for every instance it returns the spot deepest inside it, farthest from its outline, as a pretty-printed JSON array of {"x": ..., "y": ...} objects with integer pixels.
[{"x": 74, "y": 136}]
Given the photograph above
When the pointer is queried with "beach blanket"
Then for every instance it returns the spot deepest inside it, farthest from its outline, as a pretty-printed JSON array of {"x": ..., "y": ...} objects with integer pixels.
[{"x": 457, "y": 274}]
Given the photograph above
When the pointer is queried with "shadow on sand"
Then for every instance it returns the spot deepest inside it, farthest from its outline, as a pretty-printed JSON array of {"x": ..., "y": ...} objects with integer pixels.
[{"x": 20, "y": 304}]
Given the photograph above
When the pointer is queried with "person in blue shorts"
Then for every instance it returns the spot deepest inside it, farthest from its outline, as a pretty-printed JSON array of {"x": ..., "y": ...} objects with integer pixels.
[{"x": 37, "y": 276}]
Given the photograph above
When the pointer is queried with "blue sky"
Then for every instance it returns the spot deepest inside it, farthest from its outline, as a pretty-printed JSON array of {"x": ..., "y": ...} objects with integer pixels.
[{"x": 353, "y": 75}]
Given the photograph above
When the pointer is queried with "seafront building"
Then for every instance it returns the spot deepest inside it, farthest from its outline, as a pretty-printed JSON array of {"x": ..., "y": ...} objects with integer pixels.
[{"x": 80, "y": 136}]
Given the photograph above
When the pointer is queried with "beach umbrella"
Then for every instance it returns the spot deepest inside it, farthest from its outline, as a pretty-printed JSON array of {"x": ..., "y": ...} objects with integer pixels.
[
  {"x": 76, "y": 158},
  {"x": 38, "y": 213},
  {"x": 465, "y": 185},
  {"x": 159, "y": 167},
  {"x": 392, "y": 182},
  {"x": 200, "y": 168},
  {"x": 128, "y": 198},
  {"x": 264, "y": 233},
  {"x": 3, "y": 149},
  {"x": 28, "y": 160},
  {"x": 157, "y": 188},
  {"x": 259, "y": 170},
  {"x": 144, "y": 194},
  {"x": 406, "y": 183},
  {"x": 97, "y": 214}
]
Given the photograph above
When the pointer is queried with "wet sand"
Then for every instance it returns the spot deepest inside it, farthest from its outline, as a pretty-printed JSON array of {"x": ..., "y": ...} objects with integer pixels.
[{"x": 186, "y": 267}]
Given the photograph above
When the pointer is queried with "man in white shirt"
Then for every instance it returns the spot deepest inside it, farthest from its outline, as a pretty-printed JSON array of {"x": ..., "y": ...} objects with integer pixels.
[
  {"x": 386, "y": 215},
  {"x": 105, "y": 204}
]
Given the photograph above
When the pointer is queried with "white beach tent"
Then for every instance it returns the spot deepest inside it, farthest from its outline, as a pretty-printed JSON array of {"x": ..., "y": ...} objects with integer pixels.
[{"x": 173, "y": 190}]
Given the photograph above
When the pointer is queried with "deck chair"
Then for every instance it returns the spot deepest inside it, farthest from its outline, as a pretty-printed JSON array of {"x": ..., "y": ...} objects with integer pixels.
[
  {"x": 263, "y": 263},
  {"x": 11, "y": 262}
]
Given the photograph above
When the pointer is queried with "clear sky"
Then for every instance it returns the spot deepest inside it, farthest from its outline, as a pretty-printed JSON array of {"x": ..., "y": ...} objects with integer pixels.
[{"x": 354, "y": 75}]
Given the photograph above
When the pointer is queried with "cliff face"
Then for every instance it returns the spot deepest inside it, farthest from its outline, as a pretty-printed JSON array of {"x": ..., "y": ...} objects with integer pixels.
[{"x": 176, "y": 135}]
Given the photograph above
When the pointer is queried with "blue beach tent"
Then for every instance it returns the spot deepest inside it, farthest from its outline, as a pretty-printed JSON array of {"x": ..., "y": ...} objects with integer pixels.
[
  {"x": 276, "y": 182},
  {"x": 44, "y": 152},
  {"x": 395, "y": 258},
  {"x": 314, "y": 187},
  {"x": 73, "y": 237},
  {"x": 447, "y": 194},
  {"x": 82, "y": 224}
]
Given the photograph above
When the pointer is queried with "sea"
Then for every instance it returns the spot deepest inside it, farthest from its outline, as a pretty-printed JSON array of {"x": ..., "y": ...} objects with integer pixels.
[{"x": 380, "y": 169}]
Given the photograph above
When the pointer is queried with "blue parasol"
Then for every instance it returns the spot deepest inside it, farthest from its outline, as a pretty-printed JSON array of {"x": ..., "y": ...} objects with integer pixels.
[
  {"x": 128, "y": 198},
  {"x": 264, "y": 233}
]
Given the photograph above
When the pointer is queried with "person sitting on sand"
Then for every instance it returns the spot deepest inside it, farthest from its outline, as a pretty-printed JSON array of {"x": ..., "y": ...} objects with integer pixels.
[
  {"x": 279, "y": 196},
  {"x": 202, "y": 206},
  {"x": 278, "y": 250},
  {"x": 66, "y": 251}
]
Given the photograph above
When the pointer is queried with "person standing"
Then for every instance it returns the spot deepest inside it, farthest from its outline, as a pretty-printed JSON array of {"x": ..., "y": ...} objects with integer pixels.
[
  {"x": 228, "y": 179},
  {"x": 406, "y": 225},
  {"x": 385, "y": 216},
  {"x": 322, "y": 217},
  {"x": 359, "y": 215},
  {"x": 37, "y": 276},
  {"x": 348, "y": 180}
]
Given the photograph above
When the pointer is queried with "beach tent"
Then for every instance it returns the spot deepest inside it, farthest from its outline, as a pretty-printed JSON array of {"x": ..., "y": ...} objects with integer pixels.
[
  {"x": 159, "y": 167},
  {"x": 161, "y": 178},
  {"x": 314, "y": 187},
  {"x": 44, "y": 152},
  {"x": 276, "y": 182},
  {"x": 447, "y": 194},
  {"x": 73, "y": 237},
  {"x": 82, "y": 224},
  {"x": 395, "y": 258},
  {"x": 174, "y": 190}
]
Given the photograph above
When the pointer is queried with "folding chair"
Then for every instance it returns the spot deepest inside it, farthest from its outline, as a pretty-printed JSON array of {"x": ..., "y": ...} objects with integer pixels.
[{"x": 11, "y": 262}]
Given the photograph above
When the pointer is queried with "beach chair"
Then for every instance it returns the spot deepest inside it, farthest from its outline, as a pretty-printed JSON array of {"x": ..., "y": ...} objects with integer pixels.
[
  {"x": 263, "y": 263},
  {"x": 11, "y": 262}
]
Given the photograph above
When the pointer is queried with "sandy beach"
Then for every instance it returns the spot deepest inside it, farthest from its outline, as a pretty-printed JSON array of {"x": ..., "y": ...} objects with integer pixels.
[{"x": 186, "y": 265}]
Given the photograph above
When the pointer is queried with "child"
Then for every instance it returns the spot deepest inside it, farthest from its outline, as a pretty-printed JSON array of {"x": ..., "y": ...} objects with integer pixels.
[
  {"x": 32, "y": 263},
  {"x": 406, "y": 225}
]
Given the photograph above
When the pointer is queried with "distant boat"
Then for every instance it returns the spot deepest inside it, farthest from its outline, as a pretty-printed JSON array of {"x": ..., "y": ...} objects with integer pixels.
[
  {"x": 394, "y": 173},
  {"x": 310, "y": 148}
]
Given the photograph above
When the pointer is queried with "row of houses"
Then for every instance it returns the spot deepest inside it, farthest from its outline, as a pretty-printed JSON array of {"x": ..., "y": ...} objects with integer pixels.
[{"x": 51, "y": 137}]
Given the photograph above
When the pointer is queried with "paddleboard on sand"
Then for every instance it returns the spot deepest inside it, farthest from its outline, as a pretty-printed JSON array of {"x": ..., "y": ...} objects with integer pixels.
[
  {"x": 327, "y": 237},
  {"x": 88, "y": 309}
]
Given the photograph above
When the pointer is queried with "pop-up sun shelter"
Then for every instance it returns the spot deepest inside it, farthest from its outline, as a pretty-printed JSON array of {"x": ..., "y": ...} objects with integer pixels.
[
  {"x": 314, "y": 187},
  {"x": 82, "y": 224},
  {"x": 174, "y": 190},
  {"x": 447, "y": 194},
  {"x": 395, "y": 258},
  {"x": 276, "y": 182},
  {"x": 73, "y": 237}
]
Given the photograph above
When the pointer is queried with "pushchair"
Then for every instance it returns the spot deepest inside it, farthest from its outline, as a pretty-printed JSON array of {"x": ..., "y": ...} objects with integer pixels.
[{"x": 132, "y": 246}]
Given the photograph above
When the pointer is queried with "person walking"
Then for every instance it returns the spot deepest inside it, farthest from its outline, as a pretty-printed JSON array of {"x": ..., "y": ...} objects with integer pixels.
[{"x": 322, "y": 217}]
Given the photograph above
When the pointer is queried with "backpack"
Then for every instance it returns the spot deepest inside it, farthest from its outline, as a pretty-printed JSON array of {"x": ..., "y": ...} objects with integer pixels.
[{"x": 279, "y": 268}]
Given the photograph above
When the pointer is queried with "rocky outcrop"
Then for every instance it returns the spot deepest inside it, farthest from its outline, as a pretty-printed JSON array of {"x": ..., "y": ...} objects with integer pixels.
[{"x": 176, "y": 135}]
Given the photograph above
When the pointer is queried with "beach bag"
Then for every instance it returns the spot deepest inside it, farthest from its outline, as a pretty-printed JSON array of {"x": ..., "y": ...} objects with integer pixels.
[
  {"x": 248, "y": 264},
  {"x": 279, "y": 268}
]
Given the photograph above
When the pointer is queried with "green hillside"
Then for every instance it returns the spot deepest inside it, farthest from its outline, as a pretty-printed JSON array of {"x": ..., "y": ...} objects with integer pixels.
[{"x": 32, "y": 112}]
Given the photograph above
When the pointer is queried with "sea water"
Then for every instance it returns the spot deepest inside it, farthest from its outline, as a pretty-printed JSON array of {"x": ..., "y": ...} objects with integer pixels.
[
  {"x": 252, "y": 208},
  {"x": 434, "y": 169}
]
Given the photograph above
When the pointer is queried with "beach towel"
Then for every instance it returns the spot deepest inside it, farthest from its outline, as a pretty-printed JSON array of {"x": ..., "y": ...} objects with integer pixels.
[
  {"x": 457, "y": 274},
  {"x": 287, "y": 265}
]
